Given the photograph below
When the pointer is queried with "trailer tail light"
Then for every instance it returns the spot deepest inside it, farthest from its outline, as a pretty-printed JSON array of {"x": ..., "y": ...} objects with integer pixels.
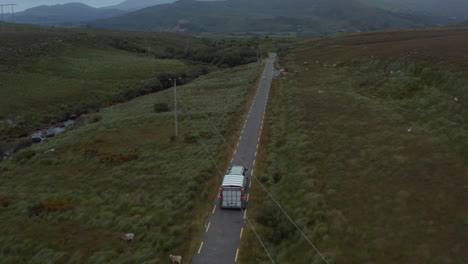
[
  {"x": 242, "y": 189},
  {"x": 243, "y": 197},
  {"x": 220, "y": 188},
  {"x": 220, "y": 196}
]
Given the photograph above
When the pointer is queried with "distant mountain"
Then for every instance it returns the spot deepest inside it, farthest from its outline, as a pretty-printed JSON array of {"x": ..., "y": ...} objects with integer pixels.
[
  {"x": 132, "y": 5},
  {"x": 306, "y": 17},
  {"x": 456, "y": 10},
  {"x": 71, "y": 14}
]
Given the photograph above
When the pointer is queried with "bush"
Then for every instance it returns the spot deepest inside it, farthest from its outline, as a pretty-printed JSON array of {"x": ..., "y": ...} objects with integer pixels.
[
  {"x": 5, "y": 201},
  {"x": 25, "y": 155},
  {"x": 161, "y": 107},
  {"x": 15, "y": 146},
  {"x": 86, "y": 108},
  {"x": 271, "y": 216},
  {"x": 190, "y": 138},
  {"x": 89, "y": 119},
  {"x": 48, "y": 207}
]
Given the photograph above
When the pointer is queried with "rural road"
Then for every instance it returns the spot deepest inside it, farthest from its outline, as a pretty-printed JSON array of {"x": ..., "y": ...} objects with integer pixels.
[{"x": 222, "y": 238}]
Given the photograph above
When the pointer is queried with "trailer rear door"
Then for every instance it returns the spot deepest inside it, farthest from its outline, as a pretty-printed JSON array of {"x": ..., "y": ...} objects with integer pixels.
[{"x": 232, "y": 198}]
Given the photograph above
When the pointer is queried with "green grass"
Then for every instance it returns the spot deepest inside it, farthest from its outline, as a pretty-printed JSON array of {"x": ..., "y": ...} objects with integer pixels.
[
  {"x": 49, "y": 75},
  {"x": 339, "y": 157},
  {"x": 77, "y": 75},
  {"x": 162, "y": 196}
]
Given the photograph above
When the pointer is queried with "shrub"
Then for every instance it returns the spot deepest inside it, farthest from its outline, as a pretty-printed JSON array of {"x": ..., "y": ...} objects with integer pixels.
[
  {"x": 48, "y": 207},
  {"x": 161, "y": 107},
  {"x": 25, "y": 155},
  {"x": 88, "y": 119},
  {"x": 190, "y": 138},
  {"x": 271, "y": 216},
  {"x": 94, "y": 118},
  {"x": 116, "y": 158},
  {"x": 206, "y": 134},
  {"x": 5, "y": 201},
  {"x": 16, "y": 145},
  {"x": 86, "y": 108}
]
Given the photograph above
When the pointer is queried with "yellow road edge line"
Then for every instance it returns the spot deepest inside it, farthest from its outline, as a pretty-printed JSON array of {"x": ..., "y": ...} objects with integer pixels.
[
  {"x": 242, "y": 230},
  {"x": 208, "y": 227},
  {"x": 248, "y": 195},
  {"x": 201, "y": 246},
  {"x": 214, "y": 208},
  {"x": 237, "y": 255},
  {"x": 245, "y": 212}
]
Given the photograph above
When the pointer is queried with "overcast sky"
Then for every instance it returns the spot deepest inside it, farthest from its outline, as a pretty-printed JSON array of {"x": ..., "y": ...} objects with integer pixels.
[{"x": 25, "y": 4}]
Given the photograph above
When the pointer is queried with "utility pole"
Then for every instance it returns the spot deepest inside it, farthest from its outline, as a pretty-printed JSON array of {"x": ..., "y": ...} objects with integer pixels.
[
  {"x": 12, "y": 16},
  {"x": 187, "y": 47},
  {"x": 3, "y": 21},
  {"x": 175, "y": 107},
  {"x": 258, "y": 59},
  {"x": 148, "y": 47}
]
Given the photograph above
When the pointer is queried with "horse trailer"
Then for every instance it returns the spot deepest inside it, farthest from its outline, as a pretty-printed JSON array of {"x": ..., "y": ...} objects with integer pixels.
[{"x": 233, "y": 189}]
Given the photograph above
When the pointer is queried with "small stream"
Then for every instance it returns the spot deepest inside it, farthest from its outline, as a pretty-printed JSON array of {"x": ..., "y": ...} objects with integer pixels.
[
  {"x": 41, "y": 135},
  {"x": 37, "y": 137}
]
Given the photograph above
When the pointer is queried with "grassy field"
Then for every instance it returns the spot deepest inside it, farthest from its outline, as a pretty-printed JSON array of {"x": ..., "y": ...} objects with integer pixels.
[
  {"x": 366, "y": 146},
  {"x": 49, "y": 75},
  {"x": 120, "y": 170}
]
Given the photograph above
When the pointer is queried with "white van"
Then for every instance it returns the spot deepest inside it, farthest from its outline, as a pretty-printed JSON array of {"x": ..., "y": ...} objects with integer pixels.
[{"x": 233, "y": 189}]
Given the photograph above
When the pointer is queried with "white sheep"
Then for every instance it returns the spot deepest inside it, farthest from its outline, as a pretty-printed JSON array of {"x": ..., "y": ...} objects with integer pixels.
[
  {"x": 128, "y": 237},
  {"x": 176, "y": 259}
]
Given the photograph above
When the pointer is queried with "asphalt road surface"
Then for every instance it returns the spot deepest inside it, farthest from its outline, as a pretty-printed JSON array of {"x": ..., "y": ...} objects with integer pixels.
[{"x": 222, "y": 238}]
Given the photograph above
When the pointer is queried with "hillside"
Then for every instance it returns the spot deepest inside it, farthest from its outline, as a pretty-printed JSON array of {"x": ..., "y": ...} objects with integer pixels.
[
  {"x": 131, "y": 5},
  {"x": 317, "y": 18},
  {"x": 72, "y": 14},
  {"x": 49, "y": 75},
  {"x": 366, "y": 148},
  {"x": 121, "y": 170},
  {"x": 455, "y": 10}
]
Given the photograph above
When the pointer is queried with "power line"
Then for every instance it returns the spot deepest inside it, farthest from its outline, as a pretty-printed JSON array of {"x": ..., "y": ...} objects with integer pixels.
[
  {"x": 12, "y": 16},
  {"x": 203, "y": 143},
  {"x": 221, "y": 174},
  {"x": 258, "y": 237},
  {"x": 292, "y": 221},
  {"x": 269, "y": 194}
]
